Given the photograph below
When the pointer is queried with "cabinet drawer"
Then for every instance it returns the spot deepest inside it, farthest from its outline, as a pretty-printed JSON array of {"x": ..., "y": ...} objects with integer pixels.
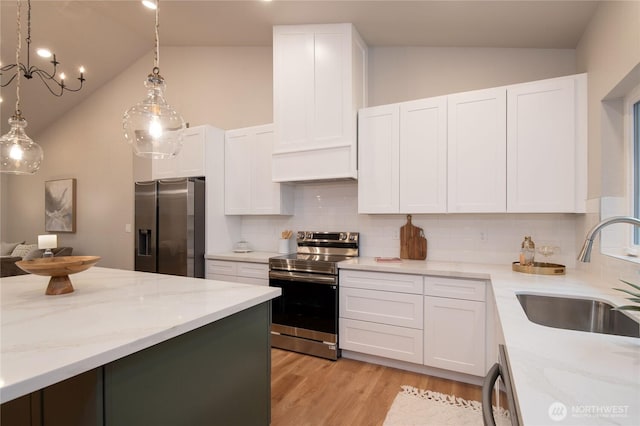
[
  {"x": 404, "y": 344},
  {"x": 455, "y": 288},
  {"x": 222, "y": 267},
  {"x": 401, "y": 309},
  {"x": 401, "y": 283},
  {"x": 253, "y": 270}
]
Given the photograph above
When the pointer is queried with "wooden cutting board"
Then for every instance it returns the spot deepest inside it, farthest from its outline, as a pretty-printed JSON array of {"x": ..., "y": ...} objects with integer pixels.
[{"x": 413, "y": 244}]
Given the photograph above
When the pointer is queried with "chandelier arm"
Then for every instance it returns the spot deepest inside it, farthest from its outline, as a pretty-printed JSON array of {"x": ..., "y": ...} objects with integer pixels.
[
  {"x": 9, "y": 82},
  {"x": 63, "y": 87},
  {"x": 35, "y": 70},
  {"x": 47, "y": 81}
]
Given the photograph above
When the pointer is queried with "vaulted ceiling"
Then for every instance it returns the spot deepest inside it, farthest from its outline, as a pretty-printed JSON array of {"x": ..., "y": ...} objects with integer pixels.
[{"x": 107, "y": 36}]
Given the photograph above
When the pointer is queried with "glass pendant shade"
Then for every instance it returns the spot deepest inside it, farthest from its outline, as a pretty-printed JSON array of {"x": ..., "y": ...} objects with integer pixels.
[
  {"x": 19, "y": 154},
  {"x": 152, "y": 126}
]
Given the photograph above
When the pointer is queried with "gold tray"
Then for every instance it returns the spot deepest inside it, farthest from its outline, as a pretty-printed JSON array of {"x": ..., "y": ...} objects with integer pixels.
[{"x": 539, "y": 268}]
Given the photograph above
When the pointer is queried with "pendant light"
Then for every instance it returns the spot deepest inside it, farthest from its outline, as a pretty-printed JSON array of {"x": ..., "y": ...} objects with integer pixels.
[
  {"x": 19, "y": 154},
  {"x": 152, "y": 126}
]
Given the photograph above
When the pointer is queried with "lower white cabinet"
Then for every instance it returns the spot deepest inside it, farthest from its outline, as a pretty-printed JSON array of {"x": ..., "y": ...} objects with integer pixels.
[
  {"x": 454, "y": 334},
  {"x": 381, "y": 314},
  {"x": 241, "y": 272},
  {"x": 401, "y": 343},
  {"x": 433, "y": 321}
]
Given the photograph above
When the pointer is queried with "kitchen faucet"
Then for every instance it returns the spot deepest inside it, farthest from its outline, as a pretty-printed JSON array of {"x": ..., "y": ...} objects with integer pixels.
[{"x": 585, "y": 253}]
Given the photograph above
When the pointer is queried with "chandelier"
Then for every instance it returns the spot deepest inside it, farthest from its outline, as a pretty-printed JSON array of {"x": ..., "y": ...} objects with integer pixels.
[
  {"x": 53, "y": 81},
  {"x": 152, "y": 126},
  {"x": 19, "y": 154}
]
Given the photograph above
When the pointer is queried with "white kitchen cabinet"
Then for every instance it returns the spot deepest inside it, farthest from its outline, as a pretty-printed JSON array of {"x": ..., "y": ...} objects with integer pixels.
[
  {"x": 388, "y": 341},
  {"x": 190, "y": 161},
  {"x": 403, "y": 157},
  {"x": 241, "y": 272},
  {"x": 454, "y": 335},
  {"x": 319, "y": 83},
  {"x": 381, "y": 314},
  {"x": 423, "y": 156},
  {"x": 454, "y": 324},
  {"x": 477, "y": 151},
  {"x": 248, "y": 186},
  {"x": 546, "y": 146},
  {"x": 379, "y": 159}
]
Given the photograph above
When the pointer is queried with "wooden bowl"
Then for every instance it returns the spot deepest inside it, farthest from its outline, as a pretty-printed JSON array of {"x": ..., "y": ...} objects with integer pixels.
[{"x": 59, "y": 269}]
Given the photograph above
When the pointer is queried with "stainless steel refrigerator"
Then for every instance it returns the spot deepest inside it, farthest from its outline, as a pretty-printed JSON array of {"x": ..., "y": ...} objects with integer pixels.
[{"x": 170, "y": 226}]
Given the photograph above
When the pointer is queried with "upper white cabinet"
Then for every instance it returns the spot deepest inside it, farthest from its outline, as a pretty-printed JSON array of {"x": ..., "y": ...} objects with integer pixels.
[
  {"x": 189, "y": 162},
  {"x": 477, "y": 151},
  {"x": 423, "y": 156},
  {"x": 379, "y": 159},
  {"x": 248, "y": 185},
  {"x": 546, "y": 145},
  {"x": 319, "y": 83},
  {"x": 403, "y": 157},
  {"x": 516, "y": 149}
]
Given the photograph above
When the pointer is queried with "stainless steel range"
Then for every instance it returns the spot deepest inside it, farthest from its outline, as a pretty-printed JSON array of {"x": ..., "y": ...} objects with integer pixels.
[{"x": 305, "y": 316}]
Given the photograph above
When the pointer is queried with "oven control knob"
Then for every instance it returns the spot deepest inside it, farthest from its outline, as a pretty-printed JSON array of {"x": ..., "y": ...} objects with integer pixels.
[
  {"x": 343, "y": 236},
  {"x": 309, "y": 235},
  {"x": 352, "y": 237},
  {"x": 300, "y": 235}
]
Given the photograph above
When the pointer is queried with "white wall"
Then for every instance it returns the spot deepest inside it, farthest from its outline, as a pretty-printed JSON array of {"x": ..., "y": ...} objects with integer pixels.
[
  {"x": 404, "y": 73},
  {"x": 232, "y": 87},
  {"x": 608, "y": 51}
]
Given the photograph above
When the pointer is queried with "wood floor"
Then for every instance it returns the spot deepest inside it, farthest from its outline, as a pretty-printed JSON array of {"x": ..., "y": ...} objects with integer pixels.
[{"x": 310, "y": 391}]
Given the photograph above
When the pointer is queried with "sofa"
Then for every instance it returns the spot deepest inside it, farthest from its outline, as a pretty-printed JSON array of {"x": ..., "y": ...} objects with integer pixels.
[{"x": 13, "y": 252}]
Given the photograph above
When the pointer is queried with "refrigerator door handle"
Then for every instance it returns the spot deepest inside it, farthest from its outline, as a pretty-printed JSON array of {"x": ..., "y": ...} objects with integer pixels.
[{"x": 144, "y": 242}]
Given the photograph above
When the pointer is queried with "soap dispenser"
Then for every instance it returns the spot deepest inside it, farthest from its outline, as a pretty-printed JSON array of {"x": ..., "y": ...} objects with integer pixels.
[{"x": 527, "y": 252}]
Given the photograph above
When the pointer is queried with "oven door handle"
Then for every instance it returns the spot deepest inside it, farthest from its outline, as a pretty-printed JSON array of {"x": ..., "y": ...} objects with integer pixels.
[
  {"x": 487, "y": 389},
  {"x": 302, "y": 277}
]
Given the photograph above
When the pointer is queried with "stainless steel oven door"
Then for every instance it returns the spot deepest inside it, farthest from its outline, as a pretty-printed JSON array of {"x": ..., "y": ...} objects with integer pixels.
[
  {"x": 500, "y": 370},
  {"x": 305, "y": 315}
]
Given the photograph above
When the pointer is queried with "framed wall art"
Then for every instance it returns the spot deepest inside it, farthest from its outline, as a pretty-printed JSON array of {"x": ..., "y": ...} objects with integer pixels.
[{"x": 60, "y": 205}]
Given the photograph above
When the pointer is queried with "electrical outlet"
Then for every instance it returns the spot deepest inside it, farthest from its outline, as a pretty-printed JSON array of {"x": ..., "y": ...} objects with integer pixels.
[{"x": 395, "y": 235}]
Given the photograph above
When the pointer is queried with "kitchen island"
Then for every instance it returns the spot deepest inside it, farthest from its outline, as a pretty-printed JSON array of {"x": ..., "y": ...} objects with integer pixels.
[{"x": 135, "y": 348}]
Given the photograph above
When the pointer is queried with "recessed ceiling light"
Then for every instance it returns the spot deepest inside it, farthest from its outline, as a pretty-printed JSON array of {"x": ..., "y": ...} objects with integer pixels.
[
  {"x": 44, "y": 53},
  {"x": 151, "y": 4}
]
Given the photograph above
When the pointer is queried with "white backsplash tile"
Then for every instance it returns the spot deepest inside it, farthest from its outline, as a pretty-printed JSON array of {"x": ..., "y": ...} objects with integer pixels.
[{"x": 476, "y": 238}]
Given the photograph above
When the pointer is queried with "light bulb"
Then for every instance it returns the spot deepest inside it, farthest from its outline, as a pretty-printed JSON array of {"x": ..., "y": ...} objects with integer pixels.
[
  {"x": 152, "y": 126},
  {"x": 18, "y": 153},
  {"x": 155, "y": 127},
  {"x": 62, "y": 76}
]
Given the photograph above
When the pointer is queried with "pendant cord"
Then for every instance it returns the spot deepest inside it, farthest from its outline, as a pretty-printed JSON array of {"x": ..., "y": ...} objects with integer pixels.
[
  {"x": 18, "y": 46},
  {"x": 156, "y": 60}
]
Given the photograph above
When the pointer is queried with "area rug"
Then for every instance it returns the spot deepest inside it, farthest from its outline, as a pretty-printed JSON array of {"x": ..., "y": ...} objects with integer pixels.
[{"x": 413, "y": 407}]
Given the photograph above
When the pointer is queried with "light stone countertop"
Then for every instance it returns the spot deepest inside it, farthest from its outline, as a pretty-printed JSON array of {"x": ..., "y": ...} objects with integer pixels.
[
  {"x": 595, "y": 376},
  {"x": 112, "y": 313},
  {"x": 252, "y": 256}
]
